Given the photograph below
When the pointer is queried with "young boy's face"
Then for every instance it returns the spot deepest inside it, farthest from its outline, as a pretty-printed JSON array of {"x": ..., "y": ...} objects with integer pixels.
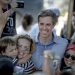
[
  {"x": 11, "y": 51},
  {"x": 23, "y": 47}
]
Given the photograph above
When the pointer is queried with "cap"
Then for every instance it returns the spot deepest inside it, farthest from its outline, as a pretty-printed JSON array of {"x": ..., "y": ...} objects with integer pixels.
[{"x": 71, "y": 47}]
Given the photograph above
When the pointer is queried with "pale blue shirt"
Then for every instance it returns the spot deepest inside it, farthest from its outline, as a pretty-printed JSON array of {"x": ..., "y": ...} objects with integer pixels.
[{"x": 58, "y": 46}]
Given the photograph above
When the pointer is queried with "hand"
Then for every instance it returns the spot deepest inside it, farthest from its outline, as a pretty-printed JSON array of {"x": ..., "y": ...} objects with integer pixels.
[
  {"x": 13, "y": 4},
  {"x": 47, "y": 62},
  {"x": 48, "y": 54},
  {"x": 25, "y": 58}
]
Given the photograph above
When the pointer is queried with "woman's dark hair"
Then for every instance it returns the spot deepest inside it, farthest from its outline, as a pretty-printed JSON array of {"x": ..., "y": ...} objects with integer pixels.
[{"x": 62, "y": 64}]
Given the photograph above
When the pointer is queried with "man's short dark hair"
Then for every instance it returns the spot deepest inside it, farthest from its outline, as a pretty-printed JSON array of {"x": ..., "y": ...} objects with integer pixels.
[
  {"x": 48, "y": 13},
  {"x": 6, "y": 65}
]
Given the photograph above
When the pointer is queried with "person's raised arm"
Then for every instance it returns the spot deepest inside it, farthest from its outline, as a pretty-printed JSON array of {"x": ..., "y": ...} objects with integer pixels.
[
  {"x": 48, "y": 58},
  {"x": 13, "y": 5},
  {"x": 4, "y": 16}
]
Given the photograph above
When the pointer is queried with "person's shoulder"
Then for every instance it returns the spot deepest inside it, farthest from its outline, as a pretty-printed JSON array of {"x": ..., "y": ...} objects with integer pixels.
[{"x": 61, "y": 40}]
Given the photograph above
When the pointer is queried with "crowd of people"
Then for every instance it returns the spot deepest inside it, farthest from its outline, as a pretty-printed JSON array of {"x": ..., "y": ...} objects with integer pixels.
[{"x": 45, "y": 53}]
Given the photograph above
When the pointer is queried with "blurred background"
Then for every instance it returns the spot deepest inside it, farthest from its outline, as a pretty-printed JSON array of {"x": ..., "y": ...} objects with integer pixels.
[{"x": 35, "y": 6}]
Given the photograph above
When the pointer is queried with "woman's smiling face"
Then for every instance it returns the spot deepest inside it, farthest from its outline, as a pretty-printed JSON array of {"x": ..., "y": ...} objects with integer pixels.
[
  {"x": 23, "y": 47},
  {"x": 69, "y": 58}
]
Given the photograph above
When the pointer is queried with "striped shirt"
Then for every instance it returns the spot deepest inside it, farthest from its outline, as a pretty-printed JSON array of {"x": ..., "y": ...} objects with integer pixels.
[{"x": 28, "y": 67}]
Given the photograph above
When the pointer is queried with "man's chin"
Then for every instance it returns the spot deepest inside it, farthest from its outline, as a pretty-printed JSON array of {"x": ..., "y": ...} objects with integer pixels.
[{"x": 44, "y": 36}]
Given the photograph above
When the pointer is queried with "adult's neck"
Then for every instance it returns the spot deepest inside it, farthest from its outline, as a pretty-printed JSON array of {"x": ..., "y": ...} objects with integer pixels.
[{"x": 45, "y": 40}]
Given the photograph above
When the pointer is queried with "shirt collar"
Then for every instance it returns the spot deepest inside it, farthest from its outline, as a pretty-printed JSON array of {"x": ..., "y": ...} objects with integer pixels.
[{"x": 54, "y": 40}]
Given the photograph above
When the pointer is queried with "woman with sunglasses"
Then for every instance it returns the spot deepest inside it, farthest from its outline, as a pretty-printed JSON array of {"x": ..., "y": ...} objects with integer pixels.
[{"x": 68, "y": 61}]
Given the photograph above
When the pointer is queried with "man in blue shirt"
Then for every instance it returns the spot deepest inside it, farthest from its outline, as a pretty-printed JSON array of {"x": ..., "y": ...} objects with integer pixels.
[{"x": 46, "y": 40}]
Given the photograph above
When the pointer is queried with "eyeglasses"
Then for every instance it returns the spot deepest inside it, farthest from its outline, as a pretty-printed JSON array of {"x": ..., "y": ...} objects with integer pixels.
[{"x": 68, "y": 56}]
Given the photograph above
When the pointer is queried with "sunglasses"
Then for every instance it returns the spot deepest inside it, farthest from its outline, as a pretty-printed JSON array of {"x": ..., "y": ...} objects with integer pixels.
[{"x": 68, "y": 56}]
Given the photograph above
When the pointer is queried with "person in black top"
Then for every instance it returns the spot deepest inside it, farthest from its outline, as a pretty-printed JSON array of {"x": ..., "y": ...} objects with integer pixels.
[
  {"x": 7, "y": 17},
  {"x": 6, "y": 65}
]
